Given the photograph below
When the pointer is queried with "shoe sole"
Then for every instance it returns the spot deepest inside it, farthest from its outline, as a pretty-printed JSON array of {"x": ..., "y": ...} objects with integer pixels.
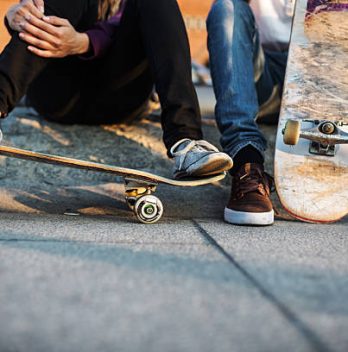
[
  {"x": 246, "y": 218},
  {"x": 209, "y": 168}
]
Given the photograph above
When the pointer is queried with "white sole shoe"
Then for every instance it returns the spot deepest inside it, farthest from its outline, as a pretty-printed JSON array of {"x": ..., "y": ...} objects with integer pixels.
[
  {"x": 198, "y": 159},
  {"x": 245, "y": 218}
]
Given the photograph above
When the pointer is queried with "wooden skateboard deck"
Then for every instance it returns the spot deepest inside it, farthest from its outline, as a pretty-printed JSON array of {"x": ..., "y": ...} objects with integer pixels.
[
  {"x": 140, "y": 185},
  {"x": 311, "y": 158}
]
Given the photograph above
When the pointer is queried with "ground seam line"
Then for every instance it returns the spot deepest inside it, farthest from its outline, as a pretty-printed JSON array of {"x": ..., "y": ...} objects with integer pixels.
[{"x": 290, "y": 316}]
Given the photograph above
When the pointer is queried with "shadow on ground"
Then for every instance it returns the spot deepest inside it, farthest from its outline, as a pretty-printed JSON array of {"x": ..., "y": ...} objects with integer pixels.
[{"x": 35, "y": 187}]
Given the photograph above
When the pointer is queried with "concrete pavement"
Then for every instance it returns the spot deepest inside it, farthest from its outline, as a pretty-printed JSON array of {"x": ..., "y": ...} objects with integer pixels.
[
  {"x": 100, "y": 281},
  {"x": 100, "y": 284}
]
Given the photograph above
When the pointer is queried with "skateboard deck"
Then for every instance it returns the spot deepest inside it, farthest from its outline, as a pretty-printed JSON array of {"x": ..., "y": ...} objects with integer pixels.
[
  {"x": 139, "y": 185},
  {"x": 311, "y": 158}
]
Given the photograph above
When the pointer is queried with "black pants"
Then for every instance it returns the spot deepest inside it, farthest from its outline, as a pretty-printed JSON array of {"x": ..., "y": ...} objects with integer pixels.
[{"x": 150, "y": 47}]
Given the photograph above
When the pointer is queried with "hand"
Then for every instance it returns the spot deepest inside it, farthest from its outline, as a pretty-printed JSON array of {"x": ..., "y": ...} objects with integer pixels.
[
  {"x": 53, "y": 37},
  {"x": 17, "y": 14}
]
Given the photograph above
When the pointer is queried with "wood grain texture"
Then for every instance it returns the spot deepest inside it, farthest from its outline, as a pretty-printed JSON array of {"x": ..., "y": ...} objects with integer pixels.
[
  {"x": 92, "y": 166},
  {"x": 315, "y": 188}
]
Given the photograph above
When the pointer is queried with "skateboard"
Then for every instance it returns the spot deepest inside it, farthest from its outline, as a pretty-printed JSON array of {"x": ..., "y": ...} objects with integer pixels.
[
  {"x": 139, "y": 185},
  {"x": 311, "y": 158}
]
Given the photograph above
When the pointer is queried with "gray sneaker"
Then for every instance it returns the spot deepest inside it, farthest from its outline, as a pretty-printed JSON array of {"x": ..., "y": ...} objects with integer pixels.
[{"x": 198, "y": 159}]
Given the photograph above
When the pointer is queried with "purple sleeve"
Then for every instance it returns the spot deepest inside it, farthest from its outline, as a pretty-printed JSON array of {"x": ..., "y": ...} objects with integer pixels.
[
  {"x": 102, "y": 33},
  {"x": 100, "y": 37}
]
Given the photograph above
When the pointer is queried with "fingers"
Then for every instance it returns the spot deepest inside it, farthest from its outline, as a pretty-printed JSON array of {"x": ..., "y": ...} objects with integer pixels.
[
  {"x": 41, "y": 29},
  {"x": 28, "y": 8},
  {"x": 40, "y": 5},
  {"x": 32, "y": 31},
  {"x": 56, "y": 21},
  {"x": 42, "y": 53},
  {"x": 34, "y": 41},
  {"x": 18, "y": 14}
]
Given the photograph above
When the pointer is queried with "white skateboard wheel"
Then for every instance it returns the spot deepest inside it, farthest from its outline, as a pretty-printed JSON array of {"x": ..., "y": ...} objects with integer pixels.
[{"x": 148, "y": 209}]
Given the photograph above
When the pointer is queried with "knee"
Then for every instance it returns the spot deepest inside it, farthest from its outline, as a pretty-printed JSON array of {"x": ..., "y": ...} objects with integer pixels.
[
  {"x": 220, "y": 12},
  {"x": 229, "y": 12},
  {"x": 74, "y": 11}
]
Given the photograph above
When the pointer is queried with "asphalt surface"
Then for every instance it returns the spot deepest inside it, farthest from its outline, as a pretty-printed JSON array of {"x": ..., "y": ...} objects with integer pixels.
[{"x": 100, "y": 281}]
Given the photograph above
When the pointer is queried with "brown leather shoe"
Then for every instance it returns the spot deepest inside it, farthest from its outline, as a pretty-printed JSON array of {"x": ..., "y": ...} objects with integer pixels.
[{"x": 250, "y": 202}]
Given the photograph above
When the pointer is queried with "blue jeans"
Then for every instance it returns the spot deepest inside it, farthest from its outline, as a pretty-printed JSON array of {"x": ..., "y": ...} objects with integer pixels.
[{"x": 244, "y": 75}]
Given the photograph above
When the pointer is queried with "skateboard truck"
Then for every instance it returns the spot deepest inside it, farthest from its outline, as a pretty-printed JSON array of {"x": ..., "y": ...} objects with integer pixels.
[
  {"x": 147, "y": 208},
  {"x": 324, "y": 136}
]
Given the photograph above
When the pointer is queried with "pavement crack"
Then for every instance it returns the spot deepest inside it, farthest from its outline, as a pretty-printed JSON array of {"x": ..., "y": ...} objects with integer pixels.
[
  {"x": 32, "y": 240},
  {"x": 62, "y": 241},
  {"x": 313, "y": 339}
]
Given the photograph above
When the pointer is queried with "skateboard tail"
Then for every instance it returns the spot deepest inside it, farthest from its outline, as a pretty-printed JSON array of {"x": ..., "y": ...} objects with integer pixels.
[{"x": 312, "y": 221}]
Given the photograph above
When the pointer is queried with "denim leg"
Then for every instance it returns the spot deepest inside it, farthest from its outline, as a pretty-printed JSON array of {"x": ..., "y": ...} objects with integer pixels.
[
  {"x": 236, "y": 60},
  {"x": 272, "y": 76}
]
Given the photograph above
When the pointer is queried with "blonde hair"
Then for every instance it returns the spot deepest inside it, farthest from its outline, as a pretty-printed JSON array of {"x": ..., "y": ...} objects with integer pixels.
[{"x": 107, "y": 8}]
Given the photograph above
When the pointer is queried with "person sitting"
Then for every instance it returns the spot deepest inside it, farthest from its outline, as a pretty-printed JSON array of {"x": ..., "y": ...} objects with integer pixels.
[{"x": 96, "y": 62}]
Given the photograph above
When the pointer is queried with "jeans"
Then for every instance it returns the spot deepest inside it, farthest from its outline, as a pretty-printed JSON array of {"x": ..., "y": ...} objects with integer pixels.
[
  {"x": 244, "y": 75},
  {"x": 150, "y": 48}
]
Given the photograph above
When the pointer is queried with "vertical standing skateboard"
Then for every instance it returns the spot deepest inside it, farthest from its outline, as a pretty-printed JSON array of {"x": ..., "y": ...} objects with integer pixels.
[{"x": 311, "y": 159}]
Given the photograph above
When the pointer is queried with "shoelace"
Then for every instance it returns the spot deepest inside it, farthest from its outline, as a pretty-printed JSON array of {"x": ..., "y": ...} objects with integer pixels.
[
  {"x": 253, "y": 181},
  {"x": 201, "y": 146}
]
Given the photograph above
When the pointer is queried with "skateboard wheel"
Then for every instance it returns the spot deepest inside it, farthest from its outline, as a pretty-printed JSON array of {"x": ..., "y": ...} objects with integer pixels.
[
  {"x": 292, "y": 132},
  {"x": 148, "y": 209}
]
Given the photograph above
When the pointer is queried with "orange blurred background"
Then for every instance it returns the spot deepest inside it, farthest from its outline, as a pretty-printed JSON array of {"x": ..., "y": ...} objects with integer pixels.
[
  {"x": 194, "y": 11},
  {"x": 4, "y": 5}
]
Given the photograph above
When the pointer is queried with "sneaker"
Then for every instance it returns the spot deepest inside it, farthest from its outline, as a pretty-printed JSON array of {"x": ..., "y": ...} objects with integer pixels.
[
  {"x": 250, "y": 202},
  {"x": 198, "y": 159}
]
